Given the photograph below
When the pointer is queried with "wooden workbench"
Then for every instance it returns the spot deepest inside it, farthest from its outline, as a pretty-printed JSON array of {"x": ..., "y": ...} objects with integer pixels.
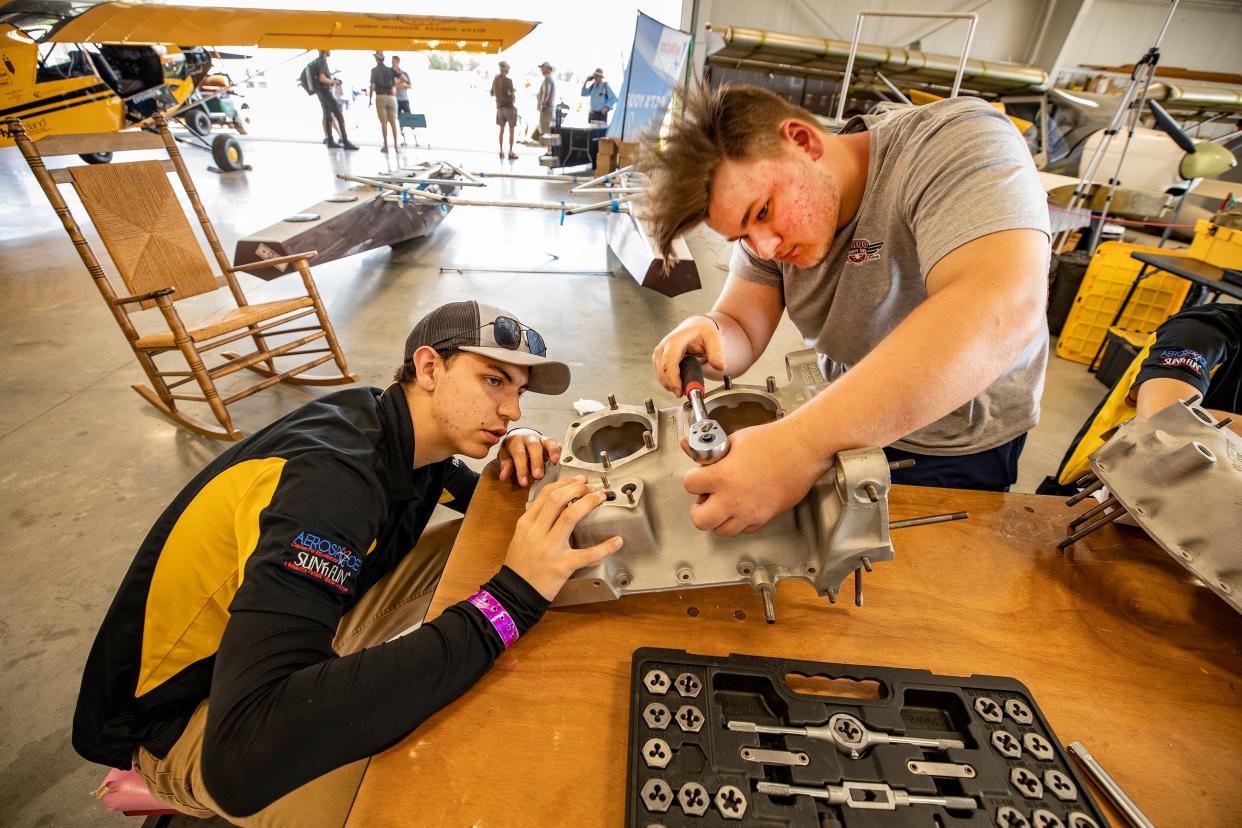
[{"x": 1119, "y": 648}]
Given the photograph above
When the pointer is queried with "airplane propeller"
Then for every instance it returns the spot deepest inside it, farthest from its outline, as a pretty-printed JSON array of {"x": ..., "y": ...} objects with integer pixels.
[{"x": 1203, "y": 159}]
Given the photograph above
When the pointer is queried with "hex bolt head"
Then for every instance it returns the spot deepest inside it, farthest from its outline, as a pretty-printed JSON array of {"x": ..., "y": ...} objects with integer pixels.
[
  {"x": 656, "y": 753},
  {"x": 1026, "y": 783},
  {"x": 1006, "y": 744},
  {"x": 1037, "y": 746},
  {"x": 688, "y": 685},
  {"x": 656, "y": 681},
  {"x": 1043, "y": 818},
  {"x": 657, "y": 795},
  {"x": 622, "y": 579},
  {"x": 656, "y": 716},
  {"x": 685, "y": 574},
  {"x": 650, "y": 406},
  {"x": 1007, "y": 817},
  {"x": 988, "y": 709},
  {"x": 731, "y": 802},
  {"x": 612, "y": 401},
  {"x": 1019, "y": 712},
  {"x": 728, "y": 382},
  {"x": 693, "y": 799},
  {"x": 689, "y": 719},
  {"x": 1061, "y": 786}
]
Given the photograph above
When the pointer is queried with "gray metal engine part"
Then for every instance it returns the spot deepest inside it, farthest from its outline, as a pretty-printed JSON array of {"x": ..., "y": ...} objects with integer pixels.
[
  {"x": 1178, "y": 474},
  {"x": 840, "y": 527}
]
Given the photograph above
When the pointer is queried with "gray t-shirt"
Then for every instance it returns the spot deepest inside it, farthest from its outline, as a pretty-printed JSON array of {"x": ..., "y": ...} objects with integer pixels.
[
  {"x": 938, "y": 176},
  {"x": 547, "y": 92}
]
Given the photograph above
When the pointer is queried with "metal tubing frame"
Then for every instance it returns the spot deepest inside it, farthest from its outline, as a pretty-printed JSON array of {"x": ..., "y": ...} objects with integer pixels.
[
  {"x": 1122, "y": 113},
  {"x": 858, "y": 21}
]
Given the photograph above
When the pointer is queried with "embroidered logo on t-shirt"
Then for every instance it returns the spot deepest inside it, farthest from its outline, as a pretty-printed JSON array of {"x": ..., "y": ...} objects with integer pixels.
[
  {"x": 1185, "y": 358},
  {"x": 861, "y": 250},
  {"x": 323, "y": 559}
]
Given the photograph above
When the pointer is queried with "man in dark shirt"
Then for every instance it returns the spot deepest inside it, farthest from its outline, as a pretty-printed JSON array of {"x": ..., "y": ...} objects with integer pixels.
[
  {"x": 254, "y": 656},
  {"x": 384, "y": 89},
  {"x": 1197, "y": 351},
  {"x": 325, "y": 86}
]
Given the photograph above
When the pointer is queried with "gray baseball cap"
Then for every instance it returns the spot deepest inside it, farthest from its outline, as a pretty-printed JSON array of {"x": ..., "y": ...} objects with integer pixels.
[{"x": 491, "y": 332}]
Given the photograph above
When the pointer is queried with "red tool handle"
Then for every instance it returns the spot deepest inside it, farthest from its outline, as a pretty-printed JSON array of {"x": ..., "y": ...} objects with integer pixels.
[{"x": 691, "y": 375}]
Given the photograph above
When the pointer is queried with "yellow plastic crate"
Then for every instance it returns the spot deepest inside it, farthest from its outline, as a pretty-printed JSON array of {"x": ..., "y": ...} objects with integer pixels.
[
  {"x": 1104, "y": 286},
  {"x": 1220, "y": 246}
]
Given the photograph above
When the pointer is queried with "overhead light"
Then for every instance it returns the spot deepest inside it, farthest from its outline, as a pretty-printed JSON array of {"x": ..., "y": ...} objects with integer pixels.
[
  {"x": 433, "y": 43},
  {"x": 486, "y": 43},
  {"x": 461, "y": 44}
]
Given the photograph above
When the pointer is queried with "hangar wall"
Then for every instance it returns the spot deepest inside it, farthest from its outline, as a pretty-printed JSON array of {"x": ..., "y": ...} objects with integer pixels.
[{"x": 1203, "y": 36}]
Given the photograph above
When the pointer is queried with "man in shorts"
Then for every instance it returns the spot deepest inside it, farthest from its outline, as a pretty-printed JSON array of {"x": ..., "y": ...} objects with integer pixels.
[
  {"x": 384, "y": 90},
  {"x": 506, "y": 107}
]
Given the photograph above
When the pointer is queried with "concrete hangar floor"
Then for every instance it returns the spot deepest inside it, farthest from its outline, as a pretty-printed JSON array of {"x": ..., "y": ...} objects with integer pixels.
[{"x": 87, "y": 465}]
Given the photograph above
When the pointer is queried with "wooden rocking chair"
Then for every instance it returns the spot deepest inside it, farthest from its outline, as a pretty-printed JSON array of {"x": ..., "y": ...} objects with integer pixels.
[{"x": 137, "y": 215}]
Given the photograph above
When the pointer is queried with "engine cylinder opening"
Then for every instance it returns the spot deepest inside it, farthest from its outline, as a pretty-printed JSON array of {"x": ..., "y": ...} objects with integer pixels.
[
  {"x": 620, "y": 435},
  {"x": 743, "y": 410}
]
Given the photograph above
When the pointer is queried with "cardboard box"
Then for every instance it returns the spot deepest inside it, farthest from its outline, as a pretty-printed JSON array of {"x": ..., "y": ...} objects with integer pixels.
[{"x": 605, "y": 156}]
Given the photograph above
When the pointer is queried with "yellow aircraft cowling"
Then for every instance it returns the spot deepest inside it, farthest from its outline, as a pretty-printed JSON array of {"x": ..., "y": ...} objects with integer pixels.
[{"x": 51, "y": 106}]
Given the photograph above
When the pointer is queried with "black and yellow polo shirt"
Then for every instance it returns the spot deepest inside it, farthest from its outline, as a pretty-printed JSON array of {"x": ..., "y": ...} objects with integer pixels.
[{"x": 272, "y": 543}]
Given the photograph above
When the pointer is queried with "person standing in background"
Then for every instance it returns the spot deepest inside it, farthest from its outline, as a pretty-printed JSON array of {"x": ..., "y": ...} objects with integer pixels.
[
  {"x": 602, "y": 97},
  {"x": 325, "y": 90},
  {"x": 383, "y": 87},
  {"x": 401, "y": 80},
  {"x": 546, "y": 98},
  {"x": 506, "y": 107}
]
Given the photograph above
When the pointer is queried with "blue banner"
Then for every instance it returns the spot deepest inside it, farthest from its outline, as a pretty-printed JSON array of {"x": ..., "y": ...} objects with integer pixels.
[{"x": 656, "y": 64}]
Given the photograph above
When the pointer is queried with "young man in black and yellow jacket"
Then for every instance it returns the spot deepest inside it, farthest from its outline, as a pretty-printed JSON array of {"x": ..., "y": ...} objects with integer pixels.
[{"x": 253, "y": 657}]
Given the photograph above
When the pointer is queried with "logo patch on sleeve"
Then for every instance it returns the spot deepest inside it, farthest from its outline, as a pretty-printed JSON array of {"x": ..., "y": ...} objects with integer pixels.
[
  {"x": 323, "y": 559},
  {"x": 1184, "y": 358}
]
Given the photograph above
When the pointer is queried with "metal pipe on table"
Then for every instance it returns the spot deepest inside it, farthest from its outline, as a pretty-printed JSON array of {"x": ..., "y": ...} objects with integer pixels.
[
  {"x": 1111, "y": 789},
  {"x": 923, "y": 521}
]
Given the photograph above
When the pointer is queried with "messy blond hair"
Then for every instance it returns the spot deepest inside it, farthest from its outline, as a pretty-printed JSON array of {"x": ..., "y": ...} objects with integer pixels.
[{"x": 737, "y": 122}]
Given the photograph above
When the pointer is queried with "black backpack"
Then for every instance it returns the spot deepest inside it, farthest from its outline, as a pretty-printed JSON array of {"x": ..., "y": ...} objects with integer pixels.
[{"x": 309, "y": 79}]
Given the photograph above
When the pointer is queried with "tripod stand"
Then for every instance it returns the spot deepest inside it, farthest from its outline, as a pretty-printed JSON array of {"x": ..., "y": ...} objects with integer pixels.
[{"x": 1129, "y": 110}]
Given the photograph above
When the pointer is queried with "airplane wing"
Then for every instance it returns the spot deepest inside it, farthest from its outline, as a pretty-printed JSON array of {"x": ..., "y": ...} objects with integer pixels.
[{"x": 287, "y": 29}]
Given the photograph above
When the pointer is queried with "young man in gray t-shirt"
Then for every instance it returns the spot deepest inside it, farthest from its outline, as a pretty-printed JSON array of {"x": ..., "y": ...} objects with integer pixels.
[{"x": 910, "y": 251}]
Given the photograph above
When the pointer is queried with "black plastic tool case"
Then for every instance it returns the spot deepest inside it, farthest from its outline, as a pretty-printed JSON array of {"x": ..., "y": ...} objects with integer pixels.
[{"x": 697, "y": 746}]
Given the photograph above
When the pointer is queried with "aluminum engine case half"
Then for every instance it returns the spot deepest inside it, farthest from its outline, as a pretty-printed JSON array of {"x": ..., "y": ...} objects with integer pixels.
[
  {"x": 1179, "y": 476},
  {"x": 821, "y": 540}
]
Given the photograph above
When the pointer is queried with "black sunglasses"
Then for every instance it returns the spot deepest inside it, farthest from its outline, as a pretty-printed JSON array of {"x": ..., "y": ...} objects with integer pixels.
[{"x": 508, "y": 335}]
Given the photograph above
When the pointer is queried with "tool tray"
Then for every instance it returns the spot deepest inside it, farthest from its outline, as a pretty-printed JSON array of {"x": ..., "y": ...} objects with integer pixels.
[{"x": 694, "y": 772}]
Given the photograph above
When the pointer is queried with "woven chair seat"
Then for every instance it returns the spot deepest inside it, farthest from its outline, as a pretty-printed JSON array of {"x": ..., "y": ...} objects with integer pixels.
[{"x": 227, "y": 321}]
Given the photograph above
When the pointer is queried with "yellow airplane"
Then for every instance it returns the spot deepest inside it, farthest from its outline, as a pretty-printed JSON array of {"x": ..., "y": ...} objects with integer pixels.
[{"x": 68, "y": 66}]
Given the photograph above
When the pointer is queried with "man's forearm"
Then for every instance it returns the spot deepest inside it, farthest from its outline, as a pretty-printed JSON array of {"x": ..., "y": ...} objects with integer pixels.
[{"x": 954, "y": 345}]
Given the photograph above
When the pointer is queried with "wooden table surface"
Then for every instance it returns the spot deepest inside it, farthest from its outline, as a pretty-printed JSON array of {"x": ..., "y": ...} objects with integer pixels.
[{"x": 1118, "y": 647}]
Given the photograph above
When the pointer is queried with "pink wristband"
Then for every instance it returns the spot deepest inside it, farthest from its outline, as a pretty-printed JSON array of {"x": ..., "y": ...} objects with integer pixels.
[{"x": 496, "y": 615}]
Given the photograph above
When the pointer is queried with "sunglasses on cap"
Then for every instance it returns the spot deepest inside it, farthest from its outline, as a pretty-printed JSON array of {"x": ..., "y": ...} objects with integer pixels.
[{"x": 508, "y": 335}]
